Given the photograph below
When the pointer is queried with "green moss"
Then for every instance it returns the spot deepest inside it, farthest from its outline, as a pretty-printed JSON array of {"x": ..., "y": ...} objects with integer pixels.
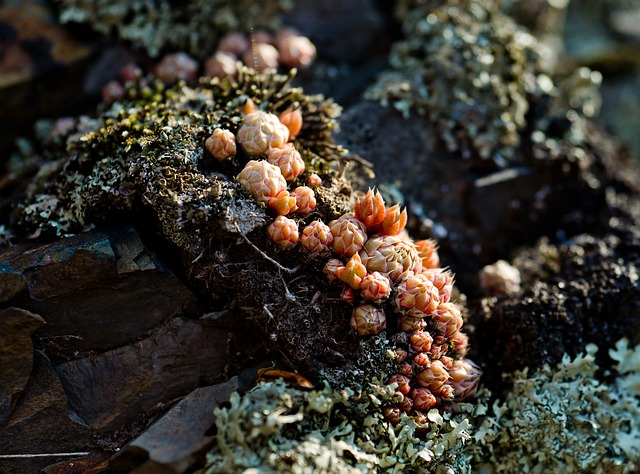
[
  {"x": 194, "y": 26},
  {"x": 146, "y": 154}
]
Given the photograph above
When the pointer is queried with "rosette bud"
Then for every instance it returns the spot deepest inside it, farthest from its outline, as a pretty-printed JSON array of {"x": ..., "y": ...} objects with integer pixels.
[
  {"x": 368, "y": 320},
  {"x": 423, "y": 399},
  {"x": 400, "y": 355},
  {"x": 305, "y": 200},
  {"x": 408, "y": 323},
  {"x": 221, "y": 144},
  {"x": 500, "y": 278},
  {"x": 406, "y": 369},
  {"x": 447, "y": 319},
  {"x": 392, "y": 415},
  {"x": 292, "y": 119},
  {"x": 390, "y": 256},
  {"x": 416, "y": 295},
  {"x": 349, "y": 235},
  {"x": 394, "y": 221},
  {"x": 447, "y": 392},
  {"x": 263, "y": 180},
  {"x": 404, "y": 385},
  {"x": 406, "y": 405},
  {"x": 317, "y": 237},
  {"x": 221, "y": 64},
  {"x": 295, "y": 50},
  {"x": 353, "y": 273},
  {"x": 443, "y": 281},
  {"x": 370, "y": 211},
  {"x": 421, "y": 341},
  {"x": 460, "y": 343},
  {"x": 283, "y": 231},
  {"x": 234, "y": 43},
  {"x": 262, "y": 56},
  {"x": 314, "y": 180},
  {"x": 465, "y": 377},
  {"x": 287, "y": 158},
  {"x": 375, "y": 287},
  {"x": 261, "y": 131},
  {"x": 421, "y": 359},
  {"x": 434, "y": 376}
]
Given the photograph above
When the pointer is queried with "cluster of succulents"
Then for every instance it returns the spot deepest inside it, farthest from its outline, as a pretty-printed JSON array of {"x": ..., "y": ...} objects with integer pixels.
[
  {"x": 380, "y": 270},
  {"x": 260, "y": 51}
]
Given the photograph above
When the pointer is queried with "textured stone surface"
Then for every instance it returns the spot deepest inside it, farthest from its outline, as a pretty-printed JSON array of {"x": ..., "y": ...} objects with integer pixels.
[
  {"x": 110, "y": 390},
  {"x": 177, "y": 440},
  {"x": 16, "y": 355},
  {"x": 97, "y": 291},
  {"x": 40, "y": 422}
]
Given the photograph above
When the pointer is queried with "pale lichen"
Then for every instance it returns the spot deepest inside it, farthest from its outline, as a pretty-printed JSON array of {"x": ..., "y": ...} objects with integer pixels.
[
  {"x": 565, "y": 419},
  {"x": 336, "y": 429}
]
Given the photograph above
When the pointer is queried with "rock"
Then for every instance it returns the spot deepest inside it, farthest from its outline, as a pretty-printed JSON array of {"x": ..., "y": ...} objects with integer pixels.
[
  {"x": 16, "y": 355},
  {"x": 97, "y": 291},
  {"x": 94, "y": 462},
  {"x": 112, "y": 389},
  {"x": 40, "y": 422},
  {"x": 178, "y": 439}
]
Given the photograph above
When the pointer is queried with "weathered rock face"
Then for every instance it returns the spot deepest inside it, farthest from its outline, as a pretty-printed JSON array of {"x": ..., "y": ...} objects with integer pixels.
[
  {"x": 119, "y": 345},
  {"x": 16, "y": 355},
  {"x": 586, "y": 290},
  {"x": 96, "y": 291}
]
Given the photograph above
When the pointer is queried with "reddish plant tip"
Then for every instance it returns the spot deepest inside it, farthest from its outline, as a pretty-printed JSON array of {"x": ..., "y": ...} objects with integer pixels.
[
  {"x": 416, "y": 295},
  {"x": 375, "y": 287},
  {"x": 314, "y": 180},
  {"x": 263, "y": 180},
  {"x": 394, "y": 221},
  {"x": 261, "y": 131},
  {"x": 305, "y": 200},
  {"x": 370, "y": 211},
  {"x": 292, "y": 119},
  {"x": 421, "y": 341},
  {"x": 353, "y": 273},
  {"x": 428, "y": 251},
  {"x": 434, "y": 376},
  {"x": 283, "y": 203},
  {"x": 331, "y": 268},
  {"x": 403, "y": 382},
  {"x": 423, "y": 399},
  {"x": 465, "y": 377},
  {"x": 288, "y": 159},
  {"x": 349, "y": 235},
  {"x": 348, "y": 294}
]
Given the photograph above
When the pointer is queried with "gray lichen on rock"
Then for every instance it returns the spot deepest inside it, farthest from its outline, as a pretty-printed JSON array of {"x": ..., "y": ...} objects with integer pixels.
[
  {"x": 156, "y": 25},
  {"x": 564, "y": 419},
  {"x": 471, "y": 70}
]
